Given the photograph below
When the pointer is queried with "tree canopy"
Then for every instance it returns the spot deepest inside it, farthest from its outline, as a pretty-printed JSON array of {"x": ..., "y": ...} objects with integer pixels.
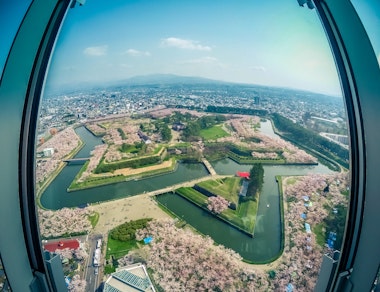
[
  {"x": 256, "y": 180},
  {"x": 127, "y": 230},
  {"x": 193, "y": 128}
]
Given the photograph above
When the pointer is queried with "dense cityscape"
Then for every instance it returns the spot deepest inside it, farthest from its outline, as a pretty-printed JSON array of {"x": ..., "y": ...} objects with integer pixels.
[{"x": 81, "y": 105}]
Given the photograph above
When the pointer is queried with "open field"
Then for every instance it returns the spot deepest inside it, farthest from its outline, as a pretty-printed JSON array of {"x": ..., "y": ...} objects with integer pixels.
[
  {"x": 243, "y": 218},
  {"x": 117, "y": 248},
  {"x": 228, "y": 188},
  {"x": 114, "y": 213},
  {"x": 134, "y": 171},
  {"x": 124, "y": 174},
  {"x": 213, "y": 133},
  {"x": 193, "y": 196}
]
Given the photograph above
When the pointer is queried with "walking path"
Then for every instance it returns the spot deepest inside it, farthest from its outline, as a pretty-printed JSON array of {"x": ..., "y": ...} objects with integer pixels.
[{"x": 209, "y": 167}]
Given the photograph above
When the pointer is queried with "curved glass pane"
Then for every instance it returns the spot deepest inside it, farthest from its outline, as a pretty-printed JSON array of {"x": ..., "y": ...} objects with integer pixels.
[
  {"x": 369, "y": 13},
  {"x": 201, "y": 145},
  {"x": 11, "y": 15}
]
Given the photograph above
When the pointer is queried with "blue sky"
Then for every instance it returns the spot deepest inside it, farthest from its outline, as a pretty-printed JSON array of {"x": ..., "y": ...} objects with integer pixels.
[{"x": 260, "y": 42}]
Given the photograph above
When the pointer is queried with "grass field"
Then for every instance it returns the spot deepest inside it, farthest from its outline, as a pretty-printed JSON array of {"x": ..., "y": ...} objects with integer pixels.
[
  {"x": 247, "y": 211},
  {"x": 319, "y": 231},
  {"x": 193, "y": 195},
  {"x": 94, "y": 218},
  {"x": 118, "y": 248},
  {"x": 244, "y": 217},
  {"x": 92, "y": 182},
  {"x": 228, "y": 188},
  {"x": 213, "y": 133}
]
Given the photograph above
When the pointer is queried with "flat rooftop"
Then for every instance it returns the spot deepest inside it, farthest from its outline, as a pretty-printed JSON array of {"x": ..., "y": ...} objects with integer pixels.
[{"x": 133, "y": 278}]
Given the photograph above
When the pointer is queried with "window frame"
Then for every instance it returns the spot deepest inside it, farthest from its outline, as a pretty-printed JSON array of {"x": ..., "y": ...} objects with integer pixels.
[
  {"x": 21, "y": 86},
  {"x": 359, "y": 75}
]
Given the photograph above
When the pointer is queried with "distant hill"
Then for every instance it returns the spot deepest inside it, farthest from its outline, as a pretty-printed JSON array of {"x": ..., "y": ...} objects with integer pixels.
[
  {"x": 172, "y": 79},
  {"x": 165, "y": 79}
]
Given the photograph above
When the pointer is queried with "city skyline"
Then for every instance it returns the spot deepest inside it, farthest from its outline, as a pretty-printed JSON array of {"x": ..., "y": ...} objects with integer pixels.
[{"x": 272, "y": 44}]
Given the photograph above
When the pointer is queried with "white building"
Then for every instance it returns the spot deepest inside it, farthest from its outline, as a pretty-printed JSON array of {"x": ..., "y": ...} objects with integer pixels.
[{"x": 48, "y": 152}]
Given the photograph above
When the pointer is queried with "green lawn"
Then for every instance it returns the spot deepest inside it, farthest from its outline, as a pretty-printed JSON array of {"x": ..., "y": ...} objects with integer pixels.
[
  {"x": 245, "y": 215},
  {"x": 319, "y": 231},
  {"x": 228, "y": 188},
  {"x": 213, "y": 133},
  {"x": 247, "y": 211},
  {"x": 105, "y": 180},
  {"x": 118, "y": 248},
  {"x": 193, "y": 195},
  {"x": 94, "y": 218},
  {"x": 291, "y": 181},
  {"x": 182, "y": 144}
]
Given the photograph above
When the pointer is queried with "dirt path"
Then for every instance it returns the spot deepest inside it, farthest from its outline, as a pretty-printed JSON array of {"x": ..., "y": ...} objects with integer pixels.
[{"x": 133, "y": 171}]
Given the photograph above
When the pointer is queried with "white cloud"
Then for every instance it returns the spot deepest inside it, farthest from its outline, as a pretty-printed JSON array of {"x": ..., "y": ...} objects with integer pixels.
[
  {"x": 203, "y": 60},
  {"x": 96, "y": 51},
  {"x": 184, "y": 44},
  {"x": 259, "y": 68},
  {"x": 136, "y": 53}
]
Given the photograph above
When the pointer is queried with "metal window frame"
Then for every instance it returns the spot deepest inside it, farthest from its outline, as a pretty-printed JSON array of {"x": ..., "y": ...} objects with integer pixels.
[
  {"x": 360, "y": 81},
  {"x": 20, "y": 89}
]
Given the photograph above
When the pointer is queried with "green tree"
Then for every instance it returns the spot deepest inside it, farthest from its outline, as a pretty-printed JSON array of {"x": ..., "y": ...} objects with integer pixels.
[
  {"x": 126, "y": 231},
  {"x": 256, "y": 180}
]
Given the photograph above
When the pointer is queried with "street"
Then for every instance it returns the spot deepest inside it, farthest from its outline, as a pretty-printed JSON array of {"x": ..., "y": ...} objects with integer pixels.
[{"x": 91, "y": 273}]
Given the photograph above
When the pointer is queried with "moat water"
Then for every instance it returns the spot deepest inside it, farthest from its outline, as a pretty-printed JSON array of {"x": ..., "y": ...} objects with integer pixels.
[{"x": 266, "y": 243}]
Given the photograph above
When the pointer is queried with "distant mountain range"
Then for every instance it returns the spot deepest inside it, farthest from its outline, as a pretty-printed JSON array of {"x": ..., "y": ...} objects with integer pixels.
[{"x": 164, "y": 79}]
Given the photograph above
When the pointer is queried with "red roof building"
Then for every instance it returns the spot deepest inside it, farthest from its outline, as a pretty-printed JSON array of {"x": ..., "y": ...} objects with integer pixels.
[
  {"x": 243, "y": 174},
  {"x": 62, "y": 244}
]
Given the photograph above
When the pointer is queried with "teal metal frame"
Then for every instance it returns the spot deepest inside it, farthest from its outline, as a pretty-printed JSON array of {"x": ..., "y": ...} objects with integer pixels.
[{"x": 21, "y": 87}]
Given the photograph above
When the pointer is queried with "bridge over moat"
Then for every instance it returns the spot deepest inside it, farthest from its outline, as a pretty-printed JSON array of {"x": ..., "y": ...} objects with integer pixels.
[
  {"x": 190, "y": 183},
  {"x": 209, "y": 167},
  {"x": 79, "y": 160}
]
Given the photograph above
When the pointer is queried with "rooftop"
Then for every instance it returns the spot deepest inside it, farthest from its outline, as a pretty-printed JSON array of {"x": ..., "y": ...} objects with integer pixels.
[
  {"x": 129, "y": 279},
  {"x": 61, "y": 244}
]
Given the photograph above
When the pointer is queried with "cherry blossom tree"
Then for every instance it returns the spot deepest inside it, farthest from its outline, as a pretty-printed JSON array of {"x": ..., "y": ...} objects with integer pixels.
[
  {"x": 184, "y": 261},
  {"x": 63, "y": 142},
  {"x": 64, "y": 221},
  {"x": 217, "y": 204},
  {"x": 78, "y": 254},
  {"x": 65, "y": 253},
  {"x": 302, "y": 257},
  {"x": 77, "y": 284}
]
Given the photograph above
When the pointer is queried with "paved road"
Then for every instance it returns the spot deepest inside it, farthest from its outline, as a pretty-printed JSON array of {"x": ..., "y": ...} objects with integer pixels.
[
  {"x": 90, "y": 276},
  {"x": 185, "y": 184}
]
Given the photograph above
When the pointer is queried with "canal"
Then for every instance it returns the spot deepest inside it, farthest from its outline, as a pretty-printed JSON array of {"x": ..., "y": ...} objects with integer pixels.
[
  {"x": 266, "y": 243},
  {"x": 56, "y": 196}
]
